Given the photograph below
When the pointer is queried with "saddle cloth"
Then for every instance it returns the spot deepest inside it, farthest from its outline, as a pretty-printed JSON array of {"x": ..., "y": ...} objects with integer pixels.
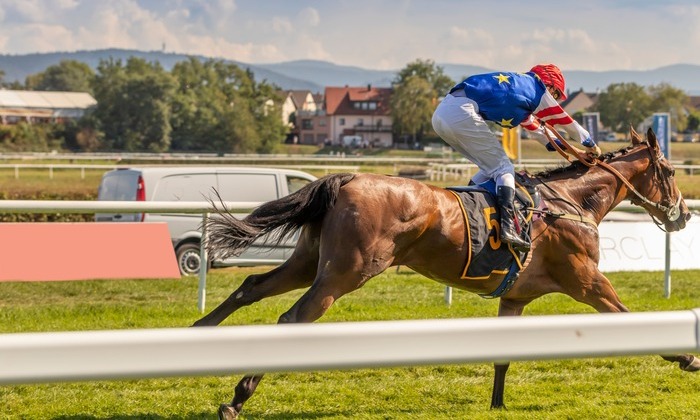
[{"x": 488, "y": 257}]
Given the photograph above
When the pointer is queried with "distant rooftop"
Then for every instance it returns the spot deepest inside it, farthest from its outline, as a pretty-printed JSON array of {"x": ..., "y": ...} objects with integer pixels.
[{"x": 45, "y": 100}]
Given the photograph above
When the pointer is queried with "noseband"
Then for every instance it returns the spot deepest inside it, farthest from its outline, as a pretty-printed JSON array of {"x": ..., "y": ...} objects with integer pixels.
[{"x": 672, "y": 212}]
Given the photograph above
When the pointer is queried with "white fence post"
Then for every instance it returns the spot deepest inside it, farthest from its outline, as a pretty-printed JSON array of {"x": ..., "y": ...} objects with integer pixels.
[{"x": 203, "y": 265}]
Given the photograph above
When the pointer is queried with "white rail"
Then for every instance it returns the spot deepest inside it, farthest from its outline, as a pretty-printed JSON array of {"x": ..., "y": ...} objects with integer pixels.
[
  {"x": 459, "y": 171},
  {"x": 96, "y": 355},
  {"x": 86, "y": 206},
  {"x": 82, "y": 167}
]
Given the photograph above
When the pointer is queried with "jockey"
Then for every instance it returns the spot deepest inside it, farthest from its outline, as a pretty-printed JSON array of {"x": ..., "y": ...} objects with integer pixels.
[{"x": 507, "y": 99}]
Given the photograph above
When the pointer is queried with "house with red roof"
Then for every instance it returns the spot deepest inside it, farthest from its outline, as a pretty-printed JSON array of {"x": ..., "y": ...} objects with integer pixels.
[{"x": 359, "y": 116}]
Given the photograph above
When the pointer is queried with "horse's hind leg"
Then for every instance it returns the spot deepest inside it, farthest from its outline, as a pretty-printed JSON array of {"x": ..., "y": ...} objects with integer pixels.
[
  {"x": 344, "y": 270},
  {"x": 285, "y": 278},
  {"x": 295, "y": 273},
  {"x": 244, "y": 390},
  {"x": 312, "y": 305}
]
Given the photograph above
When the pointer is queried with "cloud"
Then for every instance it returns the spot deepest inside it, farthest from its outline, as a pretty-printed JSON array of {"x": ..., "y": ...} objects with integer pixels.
[
  {"x": 282, "y": 25},
  {"x": 458, "y": 36},
  {"x": 66, "y": 4},
  {"x": 368, "y": 33},
  {"x": 309, "y": 17},
  {"x": 313, "y": 48},
  {"x": 693, "y": 14},
  {"x": 40, "y": 37}
]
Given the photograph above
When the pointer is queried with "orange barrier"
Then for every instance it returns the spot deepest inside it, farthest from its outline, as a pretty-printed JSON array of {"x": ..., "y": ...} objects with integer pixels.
[{"x": 82, "y": 251}]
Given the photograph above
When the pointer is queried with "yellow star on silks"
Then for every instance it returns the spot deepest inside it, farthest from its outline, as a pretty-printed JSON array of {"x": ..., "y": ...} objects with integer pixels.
[
  {"x": 506, "y": 123},
  {"x": 502, "y": 78}
]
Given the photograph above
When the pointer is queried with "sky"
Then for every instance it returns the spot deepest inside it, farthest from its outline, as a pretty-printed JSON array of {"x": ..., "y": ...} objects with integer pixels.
[{"x": 594, "y": 35}]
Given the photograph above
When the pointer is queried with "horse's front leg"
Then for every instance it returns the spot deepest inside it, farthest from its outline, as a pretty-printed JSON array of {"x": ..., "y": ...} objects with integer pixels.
[
  {"x": 601, "y": 295},
  {"x": 506, "y": 307},
  {"x": 686, "y": 362}
]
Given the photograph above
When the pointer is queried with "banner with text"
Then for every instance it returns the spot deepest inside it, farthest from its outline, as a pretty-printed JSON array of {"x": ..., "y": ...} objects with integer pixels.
[
  {"x": 662, "y": 127},
  {"x": 590, "y": 123},
  {"x": 640, "y": 246}
]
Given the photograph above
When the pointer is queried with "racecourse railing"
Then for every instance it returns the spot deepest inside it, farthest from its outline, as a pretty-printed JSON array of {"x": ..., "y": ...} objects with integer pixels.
[
  {"x": 463, "y": 171},
  {"x": 51, "y": 167},
  {"x": 122, "y": 354},
  {"x": 435, "y": 171}
]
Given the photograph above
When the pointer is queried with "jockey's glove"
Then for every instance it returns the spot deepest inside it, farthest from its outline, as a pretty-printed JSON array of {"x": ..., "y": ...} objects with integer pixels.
[
  {"x": 588, "y": 142},
  {"x": 593, "y": 152}
]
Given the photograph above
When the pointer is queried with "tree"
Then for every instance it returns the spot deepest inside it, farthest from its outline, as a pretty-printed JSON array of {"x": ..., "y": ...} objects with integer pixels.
[
  {"x": 412, "y": 105},
  {"x": 2, "y": 77},
  {"x": 219, "y": 107},
  {"x": 693, "y": 121},
  {"x": 417, "y": 88},
  {"x": 266, "y": 107},
  {"x": 666, "y": 98},
  {"x": 133, "y": 105},
  {"x": 427, "y": 70},
  {"x": 622, "y": 104},
  {"x": 66, "y": 76}
]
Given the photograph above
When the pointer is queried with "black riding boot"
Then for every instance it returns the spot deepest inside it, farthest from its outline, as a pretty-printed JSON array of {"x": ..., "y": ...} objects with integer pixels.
[{"x": 504, "y": 197}]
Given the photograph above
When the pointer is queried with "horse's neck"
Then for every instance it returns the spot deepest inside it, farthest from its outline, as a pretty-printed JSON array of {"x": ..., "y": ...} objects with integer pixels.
[{"x": 595, "y": 193}]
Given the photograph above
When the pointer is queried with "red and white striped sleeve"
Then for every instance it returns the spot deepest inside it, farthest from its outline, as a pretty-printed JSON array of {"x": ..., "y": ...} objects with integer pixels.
[{"x": 552, "y": 113}]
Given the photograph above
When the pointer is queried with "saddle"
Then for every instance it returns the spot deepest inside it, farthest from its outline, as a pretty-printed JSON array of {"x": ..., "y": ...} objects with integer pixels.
[{"x": 488, "y": 257}]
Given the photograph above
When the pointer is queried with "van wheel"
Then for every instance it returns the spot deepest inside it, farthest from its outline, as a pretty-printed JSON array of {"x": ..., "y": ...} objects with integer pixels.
[{"x": 188, "y": 259}]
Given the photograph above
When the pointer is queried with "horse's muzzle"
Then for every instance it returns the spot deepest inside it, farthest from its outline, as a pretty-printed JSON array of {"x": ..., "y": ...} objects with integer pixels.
[{"x": 679, "y": 223}]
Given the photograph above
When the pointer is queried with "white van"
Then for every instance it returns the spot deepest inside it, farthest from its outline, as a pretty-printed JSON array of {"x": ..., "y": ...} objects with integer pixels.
[{"x": 191, "y": 183}]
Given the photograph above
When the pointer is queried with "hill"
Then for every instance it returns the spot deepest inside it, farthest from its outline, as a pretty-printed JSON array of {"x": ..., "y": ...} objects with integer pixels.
[{"x": 315, "y": 75}]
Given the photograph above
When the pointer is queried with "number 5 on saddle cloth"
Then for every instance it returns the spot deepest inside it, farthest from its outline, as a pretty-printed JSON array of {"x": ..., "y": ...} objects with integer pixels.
[{"x": 488, "y": 257}]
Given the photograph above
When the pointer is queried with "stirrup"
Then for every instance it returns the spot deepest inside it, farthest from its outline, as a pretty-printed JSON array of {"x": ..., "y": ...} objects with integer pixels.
[{"x": 518, "y": 244}]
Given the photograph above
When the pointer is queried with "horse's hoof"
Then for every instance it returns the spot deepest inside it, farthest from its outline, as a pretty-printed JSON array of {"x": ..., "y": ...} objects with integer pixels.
[
  {"x": 226, "y": 412},
  {"x": 693, "y": 365}
]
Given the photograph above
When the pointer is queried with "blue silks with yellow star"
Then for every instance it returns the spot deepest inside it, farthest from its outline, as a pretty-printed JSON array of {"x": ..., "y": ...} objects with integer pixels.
[{"x": 503, "y": 97}]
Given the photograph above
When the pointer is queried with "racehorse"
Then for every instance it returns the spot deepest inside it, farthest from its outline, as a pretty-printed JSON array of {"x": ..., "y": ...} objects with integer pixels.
[{"x": 355, "y": 226}]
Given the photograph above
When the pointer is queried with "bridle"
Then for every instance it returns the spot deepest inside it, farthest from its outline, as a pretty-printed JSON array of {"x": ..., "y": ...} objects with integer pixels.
[{"x": 672, "y": 212}]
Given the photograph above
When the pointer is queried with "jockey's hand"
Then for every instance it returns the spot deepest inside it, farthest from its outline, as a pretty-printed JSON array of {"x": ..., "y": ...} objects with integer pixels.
[{"x": 593, "y": 152}]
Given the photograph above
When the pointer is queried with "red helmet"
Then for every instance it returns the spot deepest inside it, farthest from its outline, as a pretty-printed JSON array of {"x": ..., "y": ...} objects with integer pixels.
[{"x": 551, "y": 76}]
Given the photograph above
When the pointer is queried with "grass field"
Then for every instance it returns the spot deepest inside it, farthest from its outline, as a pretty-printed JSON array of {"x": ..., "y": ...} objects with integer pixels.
[{"x": 643, "y": 387}]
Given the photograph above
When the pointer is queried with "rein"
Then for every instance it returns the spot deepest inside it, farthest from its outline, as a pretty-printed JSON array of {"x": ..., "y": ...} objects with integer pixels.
[{"x": 672, "y": 212}]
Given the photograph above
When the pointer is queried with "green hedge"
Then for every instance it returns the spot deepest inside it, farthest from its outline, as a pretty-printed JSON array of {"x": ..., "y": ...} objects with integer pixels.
[{"x": 46, "y": 217}]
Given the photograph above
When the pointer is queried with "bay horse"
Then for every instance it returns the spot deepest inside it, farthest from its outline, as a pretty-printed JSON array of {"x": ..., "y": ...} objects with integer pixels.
[{"x": 355, "y": 226}]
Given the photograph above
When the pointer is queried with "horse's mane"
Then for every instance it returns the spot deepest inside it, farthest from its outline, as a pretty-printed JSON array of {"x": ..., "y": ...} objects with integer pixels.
[{"x": 577, "y": 166}]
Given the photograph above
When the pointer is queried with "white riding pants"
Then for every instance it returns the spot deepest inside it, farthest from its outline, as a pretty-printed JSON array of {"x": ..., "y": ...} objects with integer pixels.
[{"x": 457, "y": 121}]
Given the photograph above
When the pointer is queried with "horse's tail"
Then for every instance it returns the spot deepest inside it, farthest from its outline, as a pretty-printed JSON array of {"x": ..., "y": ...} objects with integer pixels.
[{"x": 229, "y": 236}]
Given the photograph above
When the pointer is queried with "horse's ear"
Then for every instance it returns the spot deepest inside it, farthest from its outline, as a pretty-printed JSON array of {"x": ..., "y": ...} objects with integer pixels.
[
  {"x": 651, "y": 137},
  {"x": 636, "y": 138}
]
